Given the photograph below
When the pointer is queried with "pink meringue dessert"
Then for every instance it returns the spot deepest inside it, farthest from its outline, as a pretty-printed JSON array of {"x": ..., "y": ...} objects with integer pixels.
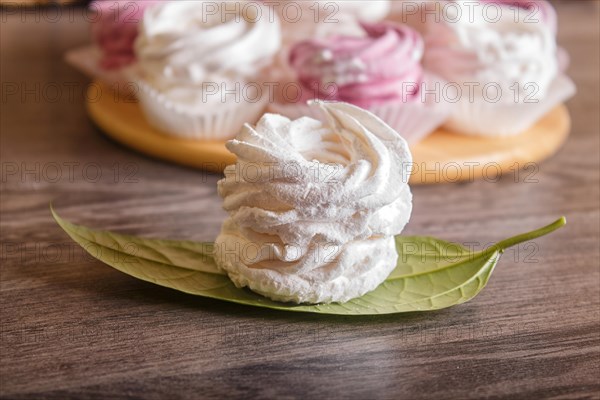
[
  {"x": 114, "y": 29},
  {"x": 380, "y": 72}
]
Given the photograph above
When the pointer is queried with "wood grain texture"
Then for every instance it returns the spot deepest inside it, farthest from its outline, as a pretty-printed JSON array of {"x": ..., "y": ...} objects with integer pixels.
[{"x": 74, "y": 328}]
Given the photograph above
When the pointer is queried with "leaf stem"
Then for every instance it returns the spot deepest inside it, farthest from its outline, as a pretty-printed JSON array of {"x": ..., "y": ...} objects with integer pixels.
[{"x": 525, "y": 237}]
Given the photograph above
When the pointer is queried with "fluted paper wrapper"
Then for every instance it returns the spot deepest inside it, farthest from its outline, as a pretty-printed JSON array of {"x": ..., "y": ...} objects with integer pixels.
[
  {"x": 484, "y": 118},
  {"x": 219, "y": 123},
  {"x": 412, "y": 120},
  {"x": 87, "y": 60}
]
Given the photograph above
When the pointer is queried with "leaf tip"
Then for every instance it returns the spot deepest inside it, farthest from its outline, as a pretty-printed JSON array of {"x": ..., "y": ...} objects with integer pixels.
[
  {"x": 54, "y": 214},
  {"x": 562, "y": 221}
]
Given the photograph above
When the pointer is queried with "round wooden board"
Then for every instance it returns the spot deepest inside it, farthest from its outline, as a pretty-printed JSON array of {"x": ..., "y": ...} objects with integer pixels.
[{"x": 442, "y": 157}]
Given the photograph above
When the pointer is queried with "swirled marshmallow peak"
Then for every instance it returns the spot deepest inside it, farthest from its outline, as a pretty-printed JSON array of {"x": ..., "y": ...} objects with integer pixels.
[
  {"x": 381, "y": 67},
  {"x": 183, "y": 43},
  {"x": 313, "y": 206}
]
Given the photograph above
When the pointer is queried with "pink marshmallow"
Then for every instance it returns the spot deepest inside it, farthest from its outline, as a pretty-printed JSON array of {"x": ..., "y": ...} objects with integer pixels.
[
  {"x": 115, "y": 29},
  {"x": 382, "y": 67}
]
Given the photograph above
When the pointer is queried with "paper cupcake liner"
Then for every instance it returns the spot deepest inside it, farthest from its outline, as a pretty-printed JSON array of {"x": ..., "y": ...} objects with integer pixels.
[
  {"x": 221, "y": 122},
  {"x": 564, "y": 60},
  {"x": 87, "y": 60},
  {"x": 484, "y": 118},
  {"x": 412, "y": 120}
]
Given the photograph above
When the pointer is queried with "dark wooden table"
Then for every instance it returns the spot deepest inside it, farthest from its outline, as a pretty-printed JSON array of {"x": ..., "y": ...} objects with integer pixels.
[{"x": 75, "y": 328}]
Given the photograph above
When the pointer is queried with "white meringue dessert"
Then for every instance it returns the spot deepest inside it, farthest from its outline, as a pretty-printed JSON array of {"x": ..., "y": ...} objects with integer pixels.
[
  {"x": 201, "y": 64},
  {"x": 314, "y": 206},
  {"x": 506, "y": 73}
]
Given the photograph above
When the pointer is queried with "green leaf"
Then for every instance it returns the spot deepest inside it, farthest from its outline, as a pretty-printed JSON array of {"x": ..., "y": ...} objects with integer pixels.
[{"x": 431, "y": 274}]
